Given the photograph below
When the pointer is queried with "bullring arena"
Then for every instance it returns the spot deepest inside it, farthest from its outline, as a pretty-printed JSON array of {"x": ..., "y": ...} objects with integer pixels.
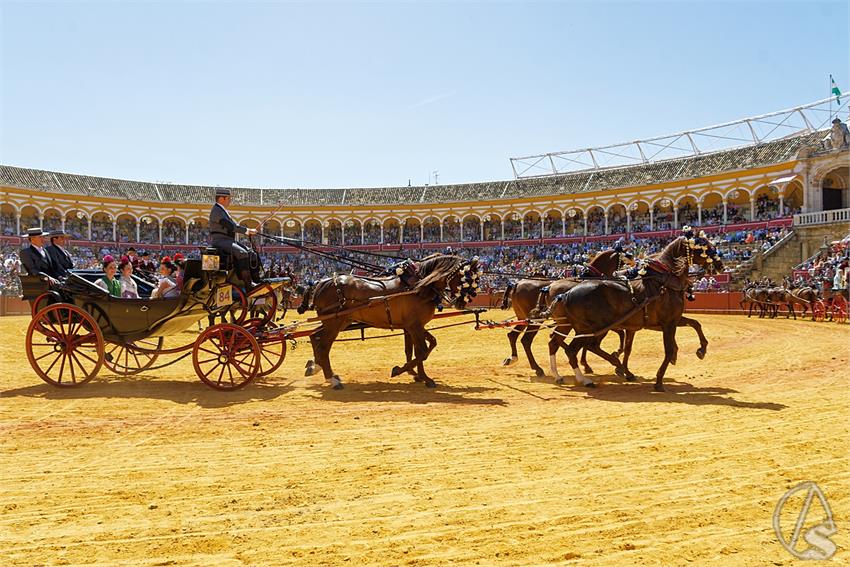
[{"x": 493, "y": 466}]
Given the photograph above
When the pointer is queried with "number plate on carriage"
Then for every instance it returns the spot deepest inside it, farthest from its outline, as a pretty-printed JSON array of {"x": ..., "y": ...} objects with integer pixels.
[
  {"x": 223, "y": 296},
  {"x": 209, "y": 262}
]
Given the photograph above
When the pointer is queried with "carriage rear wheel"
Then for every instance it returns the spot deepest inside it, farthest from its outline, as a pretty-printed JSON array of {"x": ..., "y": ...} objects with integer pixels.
[
  {"x": 839, "y": 310},
  {"x": 264, "y": 305},
  {"x": 131, "y": 358},
  {"x": 64, "y": 345},
  {"x": 226, "y": 357}
]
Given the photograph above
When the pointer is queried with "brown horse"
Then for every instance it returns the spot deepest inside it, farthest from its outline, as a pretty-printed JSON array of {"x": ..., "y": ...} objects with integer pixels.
[
  {"x": 386, "y": 303},
  {"x": 805, "y": 296},
  {"x": 530, "y": 297},
  {"x": 655, "y": 301}
]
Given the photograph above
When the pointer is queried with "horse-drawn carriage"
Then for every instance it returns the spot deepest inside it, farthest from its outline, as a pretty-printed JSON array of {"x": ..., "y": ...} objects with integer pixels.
[{"x": 77, "y": 327}]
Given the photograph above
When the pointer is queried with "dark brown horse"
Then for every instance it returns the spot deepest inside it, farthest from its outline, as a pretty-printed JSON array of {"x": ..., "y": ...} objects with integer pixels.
[
  {"x": 386, "y": 303},
  {"x": 655, "y": 301},
  {"x": 530, "y": 297}
]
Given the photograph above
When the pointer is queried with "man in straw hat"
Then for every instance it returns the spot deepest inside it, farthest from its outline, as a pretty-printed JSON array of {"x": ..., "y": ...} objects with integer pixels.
[
  {"x": 223, "y": 231},
  {"x": 62, "y": 261},
  {"x": 35, "y": 259}
]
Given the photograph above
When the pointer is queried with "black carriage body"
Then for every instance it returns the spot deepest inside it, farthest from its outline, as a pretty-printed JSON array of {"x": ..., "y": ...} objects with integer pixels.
[{"x": 125, "y": 320}]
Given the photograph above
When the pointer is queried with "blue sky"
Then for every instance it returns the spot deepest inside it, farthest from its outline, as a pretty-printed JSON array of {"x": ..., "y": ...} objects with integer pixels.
[{"x": 336, "y": 95}]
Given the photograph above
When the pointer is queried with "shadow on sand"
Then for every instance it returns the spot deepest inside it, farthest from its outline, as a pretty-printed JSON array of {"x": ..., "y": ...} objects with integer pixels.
[
  {"x": 407, "y": 392},
  {"x": 151, "y": 387},
  {"x": 615, "y": 389}
]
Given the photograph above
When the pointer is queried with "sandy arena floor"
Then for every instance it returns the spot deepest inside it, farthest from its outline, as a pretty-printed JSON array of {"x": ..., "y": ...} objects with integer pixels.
[{"x": 491, "y": 468}]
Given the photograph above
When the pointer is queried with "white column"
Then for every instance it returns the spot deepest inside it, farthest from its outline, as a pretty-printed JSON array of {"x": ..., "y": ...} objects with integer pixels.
[
  {"x": 606, "y": 224},
  {"x": 159, "y": 227},
  {"x": 342, "y": 234},
  {"x": 725, "y": 218},
  {"x": 651, "y": 218},
  {"x": 401, "y": 232},
  {"x": 441, "y": 231},
  {"x": 752, "y": 209},
  {"x": 187, "y": 234},
  {"x": 522, "y": 227},
  {"x": 481, "y": 229},
  {"x": 628, "y": 221},
  {"x": 501, "y": 228},
  {"x": 138, "y": 223},
  {"x": 585, "y": 225},
  {"x": 563, "y": 225},
  {"x": 114, "y": 230},
  {"x": 781, "y": 204},
  {"x": 675, "y": 216},
  {"x": 699, "y": 214},
  {"x": 302, "y": 231},
  {"x": 382, "y": 233},
  {"x": 89, "y": 221}
]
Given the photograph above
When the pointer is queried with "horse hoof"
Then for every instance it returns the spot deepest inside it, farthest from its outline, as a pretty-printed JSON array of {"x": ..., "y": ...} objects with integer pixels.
[
  {"x": 430, "y": 383},
  {"x": 588, "y": 370},
  {"x": 658, "y": 388},
  {"x": 336, "y": 383},
  {"x": 559, "y": 380},
  {"x": 620, "y": 371},
  {"x": 337, "y": 386},
  {"x": 631, "y": 378},
  {"x": 700, "y": 353},
  {"x": 540, "y": 373},
  {"x": 508, "y": 361},
  {"x": 590, "y": 385},
  {"x": 395, "y": 371},
  {"x": 417, "y": 378},
  {"x": 310, "y": 369}
]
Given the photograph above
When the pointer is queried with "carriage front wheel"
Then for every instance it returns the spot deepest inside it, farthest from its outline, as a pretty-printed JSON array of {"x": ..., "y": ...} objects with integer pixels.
[
  {"x": 64, "y": 345},
  {"x": 226, "y": 357}
]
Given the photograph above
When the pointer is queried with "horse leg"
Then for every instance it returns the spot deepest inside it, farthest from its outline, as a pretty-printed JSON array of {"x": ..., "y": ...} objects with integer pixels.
[
  {"x": 584, "y": 364},
  {"x": 408, "y": 354},
  {"x": 627, "y": 351},
  {"x": 526, "y": 340},
  {"x": 595, "y": 346},
  {"x": 791, "y": 309},
  {"x": 513, "y": 335},
  {"x": 622, "y": 334},
  {"x": 420, "y": 341},
  {"x": 431, "y": 343},
  {"x": 695, "y": 325},
  {"x": 322, "y": 340},
  {"x": 556, "y": 341},
  {"x": 670, "y": 349},
  {"x": 572, "y": 352}
]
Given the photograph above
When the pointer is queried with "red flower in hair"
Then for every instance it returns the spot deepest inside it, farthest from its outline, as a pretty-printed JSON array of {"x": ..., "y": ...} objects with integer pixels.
[
  {"x": 108, "y": 258},
  {"x": 165, "y": 259},
  {"x": 179, "y": 256},
  {"x": 125, "y": 259}
]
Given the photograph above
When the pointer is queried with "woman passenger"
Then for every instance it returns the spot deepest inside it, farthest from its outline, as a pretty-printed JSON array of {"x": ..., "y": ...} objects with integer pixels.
[
  {"x": 129, "y": 289},
  {"x": 167, "y": 287},
  {"x": 108, "y": 283}
]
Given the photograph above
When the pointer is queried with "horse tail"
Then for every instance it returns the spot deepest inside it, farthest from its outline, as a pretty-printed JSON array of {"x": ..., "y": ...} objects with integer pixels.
[
  {"x": 506, "y": 298},
  {"x": 306, "y": 300}
]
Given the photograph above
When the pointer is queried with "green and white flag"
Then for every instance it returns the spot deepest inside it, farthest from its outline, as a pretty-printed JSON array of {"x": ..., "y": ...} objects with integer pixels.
[{"x": 835, "y": 90}]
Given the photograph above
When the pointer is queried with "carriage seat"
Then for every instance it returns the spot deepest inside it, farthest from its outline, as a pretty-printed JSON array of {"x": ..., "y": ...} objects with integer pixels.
[{"x": 32, "y": 286}]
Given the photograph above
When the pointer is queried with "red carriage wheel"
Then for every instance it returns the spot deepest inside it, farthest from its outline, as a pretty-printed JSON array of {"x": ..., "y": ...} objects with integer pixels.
[
  {"x": 272, "y": 353},
  {"x": 265, "y": 304},
  {"x": 43, "y": 301},
  {"x": 131, "y": 358},
  {"x": 839, "y": 309},
  {"x": 226, "y": 357},
  {"x": 239, "y": 310},
  {"x": 64, "y": 345},
  {"x": 818, "y": 310}
]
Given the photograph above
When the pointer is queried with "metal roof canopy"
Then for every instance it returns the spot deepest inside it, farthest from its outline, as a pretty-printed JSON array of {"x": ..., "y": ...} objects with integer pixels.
[{"x": 711, "y": 139}]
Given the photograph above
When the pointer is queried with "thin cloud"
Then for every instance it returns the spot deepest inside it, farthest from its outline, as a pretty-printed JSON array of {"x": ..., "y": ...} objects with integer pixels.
[{"x": 431, "y": 99}]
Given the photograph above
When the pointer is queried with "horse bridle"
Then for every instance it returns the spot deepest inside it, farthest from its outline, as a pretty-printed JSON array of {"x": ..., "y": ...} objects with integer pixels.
[{"x": 467, "y": 287}]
